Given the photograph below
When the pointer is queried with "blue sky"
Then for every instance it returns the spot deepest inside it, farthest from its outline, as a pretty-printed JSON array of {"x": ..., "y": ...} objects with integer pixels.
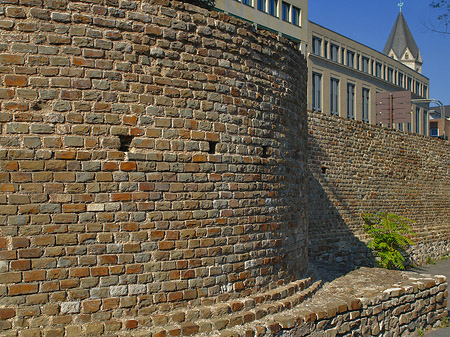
[{"x": 370, "y": 22}]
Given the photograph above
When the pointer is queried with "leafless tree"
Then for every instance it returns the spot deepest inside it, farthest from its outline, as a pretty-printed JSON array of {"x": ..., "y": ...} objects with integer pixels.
[{"x": 441, "y": 24}]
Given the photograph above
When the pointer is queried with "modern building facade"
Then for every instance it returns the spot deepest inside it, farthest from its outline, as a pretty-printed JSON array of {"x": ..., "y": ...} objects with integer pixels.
[
  {"x": 440, "y": 127},
  {"x": 288, "y": 18},
  {"x": 344, "y": 76}
]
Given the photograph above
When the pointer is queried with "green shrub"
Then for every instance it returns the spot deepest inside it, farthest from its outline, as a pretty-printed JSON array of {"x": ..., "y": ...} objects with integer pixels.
[{"x": 389, "y": 240}]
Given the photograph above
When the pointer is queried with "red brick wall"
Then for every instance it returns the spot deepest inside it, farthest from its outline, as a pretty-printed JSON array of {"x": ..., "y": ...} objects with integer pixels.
[
  {"x": 358, "y": 168},
  {"x": 152, "y": 154}
]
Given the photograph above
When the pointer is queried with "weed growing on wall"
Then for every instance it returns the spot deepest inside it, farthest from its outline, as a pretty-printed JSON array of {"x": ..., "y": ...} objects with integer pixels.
[{"x": 389, "y": 233}]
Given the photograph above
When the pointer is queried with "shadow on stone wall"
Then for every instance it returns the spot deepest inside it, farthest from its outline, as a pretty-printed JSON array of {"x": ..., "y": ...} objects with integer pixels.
[{"x": 333, "y": 248}]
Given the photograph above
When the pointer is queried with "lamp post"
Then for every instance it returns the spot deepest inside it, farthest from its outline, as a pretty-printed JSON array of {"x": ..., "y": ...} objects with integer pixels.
[{"x": 437, "y": 102}]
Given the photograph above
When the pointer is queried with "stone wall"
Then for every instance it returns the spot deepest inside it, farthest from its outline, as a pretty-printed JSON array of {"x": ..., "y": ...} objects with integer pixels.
[
  {"x": 152, "y": 156},
  {"x": 358, "y": 168},
  {"x": 365, "y": 302}
]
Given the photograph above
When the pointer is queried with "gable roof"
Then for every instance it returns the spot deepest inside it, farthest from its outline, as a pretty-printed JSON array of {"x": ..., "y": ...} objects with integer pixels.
[{"x": 401, "y": 39}]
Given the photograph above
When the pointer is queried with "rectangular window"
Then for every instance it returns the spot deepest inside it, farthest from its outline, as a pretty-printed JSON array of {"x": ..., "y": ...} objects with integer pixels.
[
  {"x": 400, "y": 80},
  {"x": 409, "y": 84},
  {"x": 434, "y": 129},
  {"x": 342, "y": 55},
  {"x": 425, "y": 91},
  {"x": 262, "y": 5},
  {"x": 425, "y": 122},
  {"x": 334, "y": 51},
  {"x": 357, "y": 61},
  {"x": 390, "y": 75},
  {"x": 316, "y": 91},
  {"x": 417, "y": 120},
  {"x": 247, "y": 2},
  {"x": 273, "y": 7},
  {"x": 334, "y": 96},
  {"x": 351, "y": 101},
  {"x": 409, "y": 126},
  {"x": 350, "y": 59},
  {"x": 295, "y": 16},
  {"x": 365, "y": 105},
  {"x": 378, "y": 70},
  {"x": 317, "y": 46},
  {"x": 417, "y": 88},
  {"x": 365, "y": 64},
  {"x": 285, "y": 10},
  {"x": 325, "y": 50},
  {"x": 400, "y": 126}
]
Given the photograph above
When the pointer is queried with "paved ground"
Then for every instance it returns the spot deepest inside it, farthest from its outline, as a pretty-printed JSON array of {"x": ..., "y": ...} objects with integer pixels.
[{"x": 440, "y": 268}]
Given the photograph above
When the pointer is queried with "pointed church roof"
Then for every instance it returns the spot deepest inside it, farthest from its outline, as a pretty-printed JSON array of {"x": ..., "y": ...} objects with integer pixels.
[{"x": 401, "y": 39}]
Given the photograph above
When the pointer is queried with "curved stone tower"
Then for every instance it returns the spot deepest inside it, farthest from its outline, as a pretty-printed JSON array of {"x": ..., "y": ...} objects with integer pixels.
[{"x": 152, "y": 157}]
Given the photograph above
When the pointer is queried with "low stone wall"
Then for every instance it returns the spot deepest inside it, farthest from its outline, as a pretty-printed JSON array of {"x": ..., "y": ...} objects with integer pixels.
[
  {"x": 365, "y": 302},
  {"x": 358, "y": 168}
]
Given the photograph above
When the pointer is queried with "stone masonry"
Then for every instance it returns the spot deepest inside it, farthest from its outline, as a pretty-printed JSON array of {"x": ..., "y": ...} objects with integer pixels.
[
  {"x": 152, "y": 157},
  {"x": 358, "y": 168}
]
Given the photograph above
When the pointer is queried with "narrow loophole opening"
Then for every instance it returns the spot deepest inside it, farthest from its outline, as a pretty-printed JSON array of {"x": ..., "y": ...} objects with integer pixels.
[
  {"x": 324, "y": 169},
  {"x": 125, "y": 143},
  {"x": 265, "y": 151},
  {"x": 212, "y": 147}
]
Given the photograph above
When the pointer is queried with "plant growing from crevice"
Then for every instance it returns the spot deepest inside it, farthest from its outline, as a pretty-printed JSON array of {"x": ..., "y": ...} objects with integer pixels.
[{"x": 389, "y": 238}]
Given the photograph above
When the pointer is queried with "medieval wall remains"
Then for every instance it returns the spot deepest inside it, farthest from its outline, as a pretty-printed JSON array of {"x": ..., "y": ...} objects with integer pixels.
[
  {"x": 359, "y": 168},
  {"x": 152, "y": 156}
]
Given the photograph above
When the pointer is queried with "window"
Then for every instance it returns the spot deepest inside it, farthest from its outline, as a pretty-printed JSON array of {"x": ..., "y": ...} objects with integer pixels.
[
  {"x": 365, "y": 104},
  {"x": 350, "y": 59},
  {"x": 357, "y": 61},
  {"x": 434, "y": 129},
  {"x": 334, "y": 96},
  {"x": 247, "y": 2},
  {"x": 295, "y": 16},
  {"x": 425, "y": 91},
  {"x": 350, "y": 101},
  {"x": 409, "y": 84},
  {"x": 316, "y": 91},
  {"x": 273, "y": 7},
  {"x": 409, "y": 126},
  {"x": 378, "y": 70},
  {"x": 400, "y": 126},
  {"x": 285, "y": 10},
  {"x": 317, "y": 46},
  {"x": 425, "y": 122},
  {"x": 325, "y": 50},
  {"x": 334, "y": 52},
  {"x": 417, "y": 120},
  {"x": 390, "y": 75},
  {"x": 262, "y": 5},
  {"x": 400, "y": 80},
  {"x": 417, "y": 88},
  {"x": 342, "y": 55},
  {"x": 365, "y": 64}
]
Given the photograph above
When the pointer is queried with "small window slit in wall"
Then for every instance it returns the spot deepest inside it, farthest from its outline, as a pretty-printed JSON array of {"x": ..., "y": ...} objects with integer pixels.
[
  {"x": 125, "y": 143},
  {"x": 265, "y": 152},
  {"x": 324, "y": 169},
  {"x": 212, "y": 147}
]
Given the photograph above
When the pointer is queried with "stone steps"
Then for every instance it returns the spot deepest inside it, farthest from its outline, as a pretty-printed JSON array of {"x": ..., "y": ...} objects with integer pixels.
[{"x": 217, "y": 318}]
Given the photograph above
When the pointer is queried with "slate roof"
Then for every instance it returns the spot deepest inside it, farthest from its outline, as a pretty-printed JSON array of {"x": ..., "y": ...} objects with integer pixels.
[{"x": 400, "y": 39}]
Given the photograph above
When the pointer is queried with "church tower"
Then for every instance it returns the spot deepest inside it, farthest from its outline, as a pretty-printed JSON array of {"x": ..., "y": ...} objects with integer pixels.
[{"x": 401, "y": 45}]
